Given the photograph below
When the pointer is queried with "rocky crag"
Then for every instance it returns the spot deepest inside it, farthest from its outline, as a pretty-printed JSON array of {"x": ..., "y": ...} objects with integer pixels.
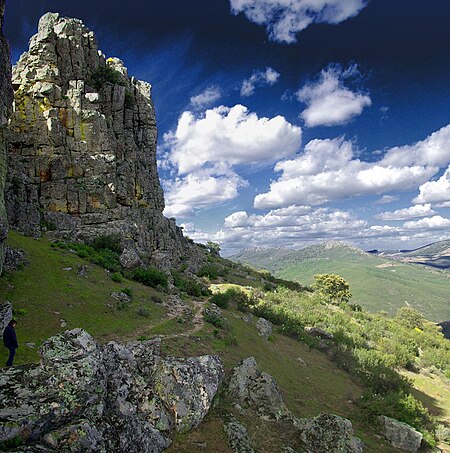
[
  {"x": 82, "y": 158},
  {"x": 115, "y": 398},
  {"x": 127, "y": 397},
  {"x": 6, "y": 97}
]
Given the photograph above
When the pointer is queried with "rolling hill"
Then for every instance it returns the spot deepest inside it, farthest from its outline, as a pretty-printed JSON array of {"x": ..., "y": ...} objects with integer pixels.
[{"x": 376, "y": 282}]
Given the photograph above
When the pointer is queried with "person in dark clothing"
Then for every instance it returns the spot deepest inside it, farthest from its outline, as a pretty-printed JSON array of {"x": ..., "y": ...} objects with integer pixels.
[{"x": 10, "y": 341}]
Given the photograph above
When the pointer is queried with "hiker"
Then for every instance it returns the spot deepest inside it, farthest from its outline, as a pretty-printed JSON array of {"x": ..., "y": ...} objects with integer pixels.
[{"x": 10, "y": 341}]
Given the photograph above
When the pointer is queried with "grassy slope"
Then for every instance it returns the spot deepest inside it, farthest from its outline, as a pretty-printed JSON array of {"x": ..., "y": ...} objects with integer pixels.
[
  {"x": 376, "y": 283},
  {"x": 43, "y": 288}
]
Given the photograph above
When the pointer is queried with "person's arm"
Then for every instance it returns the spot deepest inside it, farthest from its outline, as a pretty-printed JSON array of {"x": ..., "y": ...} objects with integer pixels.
[{"x": 14, "y": 338}]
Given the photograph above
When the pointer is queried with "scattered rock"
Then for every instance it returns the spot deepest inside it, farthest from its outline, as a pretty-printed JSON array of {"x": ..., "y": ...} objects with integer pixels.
[
  {"x": 299, "y": 359},
  {"x": 330, "y": 433},
  {"x": 31, "y": 345},
  {"x": 319, "y": 333},
  {"x": 250, "y": 387},
  {"x": 264, "y": 328},
  {"x": 119, "y": 397},
  {"x": 238, "y": 438},
  {"x": 63, "y": 322},
  {"x": 82, "y": 270},
  {"x": 14, "y": 259},
  {"x": 212, "y": 311},
  {"x": 130, "y": 259},
  {"x": 257, "y": 391},
  {"x": 67, "y": 268},
  {"x": 400, "y": 435},
  {"x": 121, "y": 297},
  {"x": 248, "y": 318}
]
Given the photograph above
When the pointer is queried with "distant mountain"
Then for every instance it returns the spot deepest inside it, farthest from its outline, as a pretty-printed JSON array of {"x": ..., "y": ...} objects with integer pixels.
[
  {"x": 376, "y": 282},
  {"x": 436, "y": 254}
]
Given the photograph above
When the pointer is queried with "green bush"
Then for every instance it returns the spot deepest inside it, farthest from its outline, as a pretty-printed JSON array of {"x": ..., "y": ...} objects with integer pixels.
[
  {"x": 215, "y": 320},
  {"x": 189, "y": 286},
  {"x": 107, "y": 242},
  {"x": 130, "y": 100},
  {"x": 209, "y": 271},
  {"x": 157, "y": 299},
  {"x": 150, "y": 277},
  {"x": 128, "y": 291},
  {"x": 103, "y": 75},
  {"x": 116, "y": 277}
]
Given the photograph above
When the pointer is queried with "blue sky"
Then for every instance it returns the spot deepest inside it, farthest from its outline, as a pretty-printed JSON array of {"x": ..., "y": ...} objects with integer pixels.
[{"x": 286, "y": 122}]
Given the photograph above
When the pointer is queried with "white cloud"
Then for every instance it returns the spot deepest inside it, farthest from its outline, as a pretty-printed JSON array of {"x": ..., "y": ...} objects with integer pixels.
[
  {"x": 419, "y": 210},
  {"x": 207, "y": 97},
  {"x": 204, "y": 149},
  {"x": 196, "y": 191},
  {"x": 329, "y": 170},
  {"x": 386, "y": 199},
  {"x": 435, "y": 191},
  {"x": 224, "y": 137},
  {"x": 285, "y": 18},
  {"x": 329, "y": 102},
  {"x": 429, "y": 223},
  {"x": 259, "y": 78}
]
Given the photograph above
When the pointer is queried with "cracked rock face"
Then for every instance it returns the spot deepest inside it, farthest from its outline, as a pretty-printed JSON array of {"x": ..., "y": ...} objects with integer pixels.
[
  {"x": 83, "y": 147},
  {"x": 6, "y": 99},
  {"x": 84, "y": 397}
]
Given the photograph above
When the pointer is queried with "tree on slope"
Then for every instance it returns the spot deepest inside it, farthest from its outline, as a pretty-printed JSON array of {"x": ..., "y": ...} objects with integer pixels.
[{"x": 334, "y": 288}]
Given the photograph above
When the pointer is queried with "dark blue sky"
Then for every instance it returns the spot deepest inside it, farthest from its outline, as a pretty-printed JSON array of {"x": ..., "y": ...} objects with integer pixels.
[{"x": 402, "y": 52}]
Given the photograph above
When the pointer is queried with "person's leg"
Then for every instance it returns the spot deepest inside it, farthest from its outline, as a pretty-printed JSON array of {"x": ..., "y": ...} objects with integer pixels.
[{"x": 12, "y": 353}]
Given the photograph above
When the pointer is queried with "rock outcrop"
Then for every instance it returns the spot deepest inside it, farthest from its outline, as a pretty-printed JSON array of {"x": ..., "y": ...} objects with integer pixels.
[
  {"x": 256, "y": 391},
  {"x": 6, "y": 99},
  {"x": 85, "y": 397},
  {"x": 5, "y": 315},
  {"x": 400, "y": 434},
  {"x": 83, "y": 148}
]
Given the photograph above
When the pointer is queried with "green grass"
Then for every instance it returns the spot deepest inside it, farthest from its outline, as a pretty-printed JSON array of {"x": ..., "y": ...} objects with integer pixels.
[
  {"x": 376, "y": 283},
  {"x": 49, "y": 293}
]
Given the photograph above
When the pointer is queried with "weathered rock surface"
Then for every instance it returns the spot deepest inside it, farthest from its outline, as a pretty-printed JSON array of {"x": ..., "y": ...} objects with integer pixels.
[
  {"x": 264, "y": 328},
  {"x": 6, "y": 100},
  {"x": 5, "y": 315},
  {"x": 400, "y": 434},
  {"x": 14, "y": 259},
  {"x": 319, "y": 333},
  {"x": 84, "y": 397},
  {"x": 238, "y": 438},
  {"x": 83, "y": 148},
  {"x": 257, "y": 391}
]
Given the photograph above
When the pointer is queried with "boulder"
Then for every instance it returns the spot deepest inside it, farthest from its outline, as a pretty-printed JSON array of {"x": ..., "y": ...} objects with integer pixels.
[
  {"x": 252, "y": 388},
  {"x": 319, "y": 333},
  {"x": 5, "y": 315},
  {"x": 238, "y": 438},
  {"x": 264, "y": 328},
  {"x": 400, "y": 435},
  {"x": 119, "y": 397}
]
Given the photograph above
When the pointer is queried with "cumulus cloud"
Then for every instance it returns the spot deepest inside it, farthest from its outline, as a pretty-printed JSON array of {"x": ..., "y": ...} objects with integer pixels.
[
  {"x": 285, "y": 18},
  {"x": 435, "y": 191},
  {"x": 207, "y": 97},
  {"x": 329, "y": 170},
  {"x": 419, "y": 210},
  {"x": 226, "y": 136},
  {"x": 329, "y": 102},
  {"x": 204, "y": 149},
  {"x": 429, "y": 223},
  {"x": 197, "y": 191},
  {"x": 259, "y": 78}
]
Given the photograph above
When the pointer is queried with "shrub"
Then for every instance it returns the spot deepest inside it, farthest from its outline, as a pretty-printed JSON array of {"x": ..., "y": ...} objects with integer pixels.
[
  {"x": 150, "y": 277},
  {"x": 215, "y": 320},
  {"x": 209, "y": 271},
  {"x": 334, "y": 288},
  {"x": 20, "y": 312},
  {"x": 103, "y": 75},
  {"x": 157, "y": 299},
  {"x": 143, "y": 311},
  {"x": 128, "y": 291},
  {"x": 190, "y": 286},
  {"x": 231, "y": 340},
  {"x": 116, "y": 277},
  {"x": 130, "y": 100},
  {"x": 107, "y": 242}
]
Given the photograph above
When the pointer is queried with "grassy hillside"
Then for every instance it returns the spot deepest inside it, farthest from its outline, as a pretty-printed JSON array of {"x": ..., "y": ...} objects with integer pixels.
[
  {"x": 376, "y": 283},
  {"x": 49, "y": 289}
]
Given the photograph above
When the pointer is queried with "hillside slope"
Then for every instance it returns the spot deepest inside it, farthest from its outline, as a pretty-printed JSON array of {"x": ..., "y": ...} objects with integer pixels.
[
  {"x": 50, "y": 289},
  {"x": 377, "y": 283}
]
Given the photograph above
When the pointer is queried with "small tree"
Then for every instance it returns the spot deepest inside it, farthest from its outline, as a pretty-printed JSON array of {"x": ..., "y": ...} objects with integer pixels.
[
  {"x": 213, "y": 247},
  {"x": 334, "y": 288}
]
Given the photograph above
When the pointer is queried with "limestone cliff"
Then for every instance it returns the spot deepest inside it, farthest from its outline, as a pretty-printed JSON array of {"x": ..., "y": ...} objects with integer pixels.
[
  {"x": 83, "y": 146},
  {"x": 5, "y": 111}
]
